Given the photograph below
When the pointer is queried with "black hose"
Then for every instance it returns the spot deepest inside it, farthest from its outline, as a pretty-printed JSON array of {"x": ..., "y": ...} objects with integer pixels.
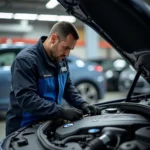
[
  {"x": 72, "y": 138},
  {"x": 102, "y": 141},
  {"x": 95, "y": 144}
]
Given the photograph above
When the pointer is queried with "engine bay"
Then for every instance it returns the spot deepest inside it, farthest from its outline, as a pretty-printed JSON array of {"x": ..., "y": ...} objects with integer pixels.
[
  {"x": 121, "y": 126},
  {"x": 115, "y": 129},
  {"x": 95, "y": 124}
]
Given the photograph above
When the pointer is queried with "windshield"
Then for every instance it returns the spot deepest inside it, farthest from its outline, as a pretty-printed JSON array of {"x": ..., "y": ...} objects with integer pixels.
[{"x": 6, "y": 59}]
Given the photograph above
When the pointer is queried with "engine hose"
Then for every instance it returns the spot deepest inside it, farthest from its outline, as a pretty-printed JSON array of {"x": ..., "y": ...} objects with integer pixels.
[
  {"x": 102, "y": 141},
  {"x": 95, "y": 144},
  {"x": 72, "y": 138}
]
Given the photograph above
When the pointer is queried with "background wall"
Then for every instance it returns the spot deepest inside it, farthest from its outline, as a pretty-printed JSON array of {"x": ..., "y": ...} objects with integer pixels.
[
  {"x": 37, "y": 29},
  {"x": 81, "y": 52}
]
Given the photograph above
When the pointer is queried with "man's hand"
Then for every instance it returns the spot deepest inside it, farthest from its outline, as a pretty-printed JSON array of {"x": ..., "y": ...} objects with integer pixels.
[
  {"x": 90, "y": 109},
  {"x": 71, "y": 114}
]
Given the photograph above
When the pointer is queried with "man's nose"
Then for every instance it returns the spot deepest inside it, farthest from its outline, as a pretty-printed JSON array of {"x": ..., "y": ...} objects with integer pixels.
[{"x": 67, "y": 53}]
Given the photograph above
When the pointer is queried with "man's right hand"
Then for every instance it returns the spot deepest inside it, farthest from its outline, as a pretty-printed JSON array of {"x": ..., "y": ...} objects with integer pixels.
[{"x": 71, "y": 114}]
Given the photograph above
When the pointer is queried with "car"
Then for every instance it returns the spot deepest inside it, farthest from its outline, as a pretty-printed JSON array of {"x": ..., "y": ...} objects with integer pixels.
[
  {"x": 126, "y": 79},
  {"x": 112, "y": 69},
  {"x": 81, "y": 72},
  {"x": 123, "y": 124},
  {"x": 7, "y": 55}
]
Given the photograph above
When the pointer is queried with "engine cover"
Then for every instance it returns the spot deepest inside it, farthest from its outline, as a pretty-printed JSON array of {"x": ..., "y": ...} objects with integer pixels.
[{"x": 86, "y": 124}]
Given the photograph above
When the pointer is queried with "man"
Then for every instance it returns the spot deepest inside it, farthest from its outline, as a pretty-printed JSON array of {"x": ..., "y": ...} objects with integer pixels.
[{"x": 40, "y": 79}]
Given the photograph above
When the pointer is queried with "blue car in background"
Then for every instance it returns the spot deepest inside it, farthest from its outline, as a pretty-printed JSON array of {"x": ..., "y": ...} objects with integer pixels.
[{"x": 87, "y": 77}]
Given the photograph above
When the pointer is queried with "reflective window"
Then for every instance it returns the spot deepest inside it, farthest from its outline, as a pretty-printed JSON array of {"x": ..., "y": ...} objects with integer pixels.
[{"x": 6, "y": 59}]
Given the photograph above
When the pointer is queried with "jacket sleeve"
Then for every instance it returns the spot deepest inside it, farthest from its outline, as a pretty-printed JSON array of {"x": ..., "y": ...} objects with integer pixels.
[
  {"x": 24, "y": 84},
  {"x": 71, "y": 95}
]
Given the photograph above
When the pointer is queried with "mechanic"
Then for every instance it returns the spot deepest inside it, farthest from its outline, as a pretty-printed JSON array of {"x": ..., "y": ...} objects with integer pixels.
[{"x": 40, "y": 80}]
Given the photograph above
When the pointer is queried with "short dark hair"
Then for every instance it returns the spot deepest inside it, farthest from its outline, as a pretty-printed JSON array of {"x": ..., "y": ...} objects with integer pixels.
[{"x": 63, "y": 29}]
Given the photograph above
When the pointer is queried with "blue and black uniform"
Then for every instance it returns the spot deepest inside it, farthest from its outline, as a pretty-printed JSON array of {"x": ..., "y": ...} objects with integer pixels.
[{"x": 38, "y": 86}]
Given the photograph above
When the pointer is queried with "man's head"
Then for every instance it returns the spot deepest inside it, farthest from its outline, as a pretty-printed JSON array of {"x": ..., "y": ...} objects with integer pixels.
[{"x": 62, "y": 38}]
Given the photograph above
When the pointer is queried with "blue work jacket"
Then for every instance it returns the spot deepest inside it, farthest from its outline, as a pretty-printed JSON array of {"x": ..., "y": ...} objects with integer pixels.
[{"x": 38, "y": 87}]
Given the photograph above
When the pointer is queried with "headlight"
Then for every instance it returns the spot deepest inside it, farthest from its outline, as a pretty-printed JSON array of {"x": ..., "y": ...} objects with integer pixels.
[{"x": 109, "y": 74}]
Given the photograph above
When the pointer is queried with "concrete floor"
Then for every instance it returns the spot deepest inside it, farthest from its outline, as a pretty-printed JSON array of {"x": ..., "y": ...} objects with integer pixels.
[{"x": 108, "y": 96}]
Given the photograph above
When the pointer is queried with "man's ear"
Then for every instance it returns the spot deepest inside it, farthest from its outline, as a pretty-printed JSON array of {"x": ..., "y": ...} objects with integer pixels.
[{"x": 54, "y": 38}]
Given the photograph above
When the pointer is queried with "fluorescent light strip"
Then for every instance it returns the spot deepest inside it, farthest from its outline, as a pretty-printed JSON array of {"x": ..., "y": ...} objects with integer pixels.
[
  {"x": 67, "y": 18},
  {"x": 4, "y": 15},
  {"x": 41, "y": 17},
  {"x": 51, "y": 4},
  {"x": 24, "y": 16},
  {"x": 47, "y": 17}
]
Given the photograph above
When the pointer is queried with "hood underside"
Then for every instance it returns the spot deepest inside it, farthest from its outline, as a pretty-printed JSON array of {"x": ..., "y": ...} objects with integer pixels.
[{"x": 125, "y": 24}]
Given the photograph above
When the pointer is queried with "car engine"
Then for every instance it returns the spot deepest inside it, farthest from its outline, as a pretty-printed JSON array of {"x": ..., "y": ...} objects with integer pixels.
[{"x": 120, "y": 126}]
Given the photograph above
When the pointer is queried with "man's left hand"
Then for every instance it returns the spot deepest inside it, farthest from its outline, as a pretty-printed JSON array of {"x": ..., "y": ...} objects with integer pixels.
[{"x": 90, "y": 109}]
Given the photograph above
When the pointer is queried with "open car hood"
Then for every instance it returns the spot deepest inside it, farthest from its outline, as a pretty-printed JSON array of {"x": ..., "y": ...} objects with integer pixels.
[{"x": 125, "y": 24}]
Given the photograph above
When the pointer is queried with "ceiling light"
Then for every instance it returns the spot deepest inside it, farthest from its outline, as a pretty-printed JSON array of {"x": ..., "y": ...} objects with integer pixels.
[
  {"x": 43, "y": 17},
  {"x": 24, "y": 16},
  {"x": 47, "y": 17},
  {"x": 67, "y": 18},
  {"x": 6, "y": 15},
  {"x": 52, "y": 4}
]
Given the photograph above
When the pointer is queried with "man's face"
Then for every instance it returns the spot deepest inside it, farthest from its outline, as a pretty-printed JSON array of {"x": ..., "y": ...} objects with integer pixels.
[{"x": 61, "y": 49}]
